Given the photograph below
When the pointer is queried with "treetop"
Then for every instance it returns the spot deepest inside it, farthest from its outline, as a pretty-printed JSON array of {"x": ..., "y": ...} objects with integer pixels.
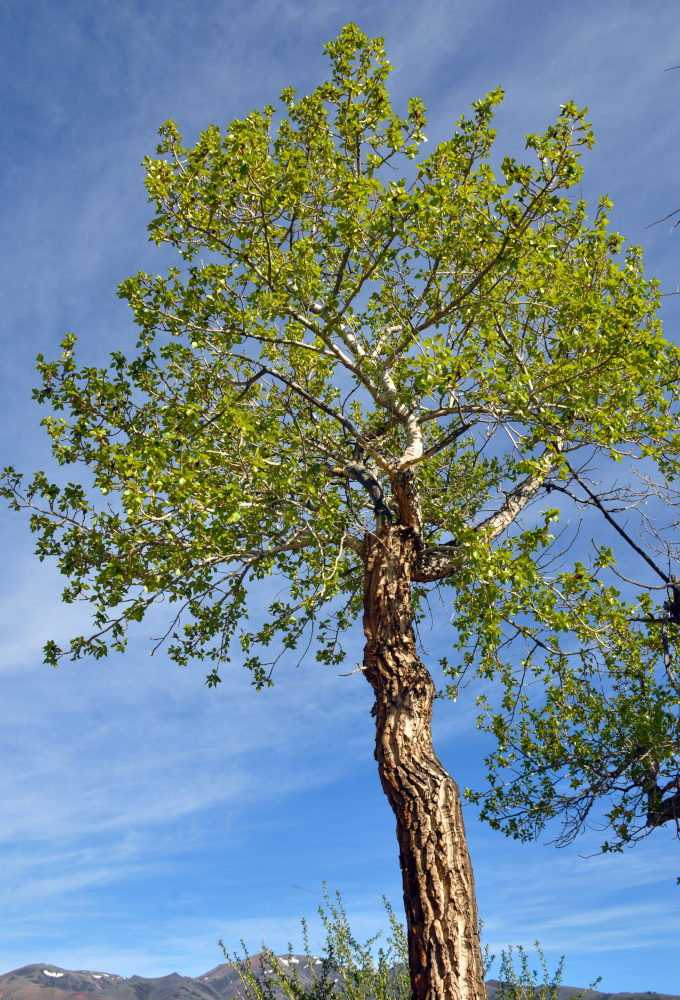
[{"x": 357, "y": 336}]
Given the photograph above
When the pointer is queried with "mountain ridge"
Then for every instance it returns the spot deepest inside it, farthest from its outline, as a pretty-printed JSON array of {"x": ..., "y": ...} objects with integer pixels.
[{"x": 44, "y": 981}]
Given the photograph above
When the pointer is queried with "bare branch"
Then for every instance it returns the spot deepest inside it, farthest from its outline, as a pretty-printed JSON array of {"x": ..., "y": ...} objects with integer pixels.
[{"x": 617, "y": 527}]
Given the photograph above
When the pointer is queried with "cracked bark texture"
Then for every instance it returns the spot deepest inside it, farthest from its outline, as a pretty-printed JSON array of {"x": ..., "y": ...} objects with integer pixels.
[{"x": 443, "y": 937}]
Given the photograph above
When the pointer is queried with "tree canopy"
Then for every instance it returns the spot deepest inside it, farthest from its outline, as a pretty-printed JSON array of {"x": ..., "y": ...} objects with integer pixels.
[{"x": 358, "y": 335}]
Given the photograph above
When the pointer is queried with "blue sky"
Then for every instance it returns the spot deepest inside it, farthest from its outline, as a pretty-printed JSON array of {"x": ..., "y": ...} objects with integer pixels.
[{"x": 144, "y": 817}]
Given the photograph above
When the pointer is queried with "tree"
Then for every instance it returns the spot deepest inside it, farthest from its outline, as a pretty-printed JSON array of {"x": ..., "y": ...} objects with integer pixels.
[{"x": 379, "y": 386}]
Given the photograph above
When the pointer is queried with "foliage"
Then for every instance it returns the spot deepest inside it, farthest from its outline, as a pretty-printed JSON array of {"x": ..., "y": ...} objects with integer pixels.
[
  {"x": 343, "y": 345},
  {"x": 351, "y": 970},
  {"x": 348, "y": 969},
  {"x": 587, "y": 738},
  {"x": 522, "y": 984}
]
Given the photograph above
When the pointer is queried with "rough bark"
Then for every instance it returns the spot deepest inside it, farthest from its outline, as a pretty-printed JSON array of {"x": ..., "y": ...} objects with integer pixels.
[
  {"x": 667, "y": 810},
  {"x": 439, "y": 896}
]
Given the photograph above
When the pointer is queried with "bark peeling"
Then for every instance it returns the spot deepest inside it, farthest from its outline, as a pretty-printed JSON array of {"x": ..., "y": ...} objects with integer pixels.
[{"x": 444, "y": 951}]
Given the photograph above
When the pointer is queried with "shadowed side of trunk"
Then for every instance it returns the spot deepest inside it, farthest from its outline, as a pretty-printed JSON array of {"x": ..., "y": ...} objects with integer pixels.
[{"x": 439, "y": 896}]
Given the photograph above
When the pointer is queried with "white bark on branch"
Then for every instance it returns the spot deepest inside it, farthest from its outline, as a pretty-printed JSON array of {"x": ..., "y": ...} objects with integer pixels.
[
  {"x": 440, "y": 561},
  {"x": 519, "y": 496},
  {"x": 380, "y": 385}
]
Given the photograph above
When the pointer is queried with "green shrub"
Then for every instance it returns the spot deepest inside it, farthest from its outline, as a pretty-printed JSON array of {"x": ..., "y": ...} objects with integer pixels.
[
  {"x": 348, "y": 969},
  {"x": 352, "y": 971},
  {"x": 521, "y": 984}
]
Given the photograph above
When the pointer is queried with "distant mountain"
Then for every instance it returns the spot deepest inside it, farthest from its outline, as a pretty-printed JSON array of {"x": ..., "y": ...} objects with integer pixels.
[
  {"x": 565, "y": 992},
  {"x": 49, "y": 982}
]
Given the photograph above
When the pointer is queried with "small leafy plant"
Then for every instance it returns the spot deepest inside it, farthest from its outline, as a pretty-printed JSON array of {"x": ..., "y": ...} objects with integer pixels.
[
  {"x": 348, "y": 969},
  {"x": 352, "y": 971},
  {"x": 522, "y": 985}
]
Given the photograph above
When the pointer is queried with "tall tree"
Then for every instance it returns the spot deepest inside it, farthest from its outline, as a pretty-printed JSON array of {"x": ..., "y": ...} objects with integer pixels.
[{"x": 368, "y": 384}]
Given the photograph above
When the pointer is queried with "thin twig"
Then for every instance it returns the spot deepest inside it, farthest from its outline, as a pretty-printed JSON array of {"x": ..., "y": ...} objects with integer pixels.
[{"x": 617, "y": 527}]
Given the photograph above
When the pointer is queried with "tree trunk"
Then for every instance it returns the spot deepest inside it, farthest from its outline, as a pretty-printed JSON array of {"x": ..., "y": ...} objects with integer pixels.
[{"x": 443, "y": 932}]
